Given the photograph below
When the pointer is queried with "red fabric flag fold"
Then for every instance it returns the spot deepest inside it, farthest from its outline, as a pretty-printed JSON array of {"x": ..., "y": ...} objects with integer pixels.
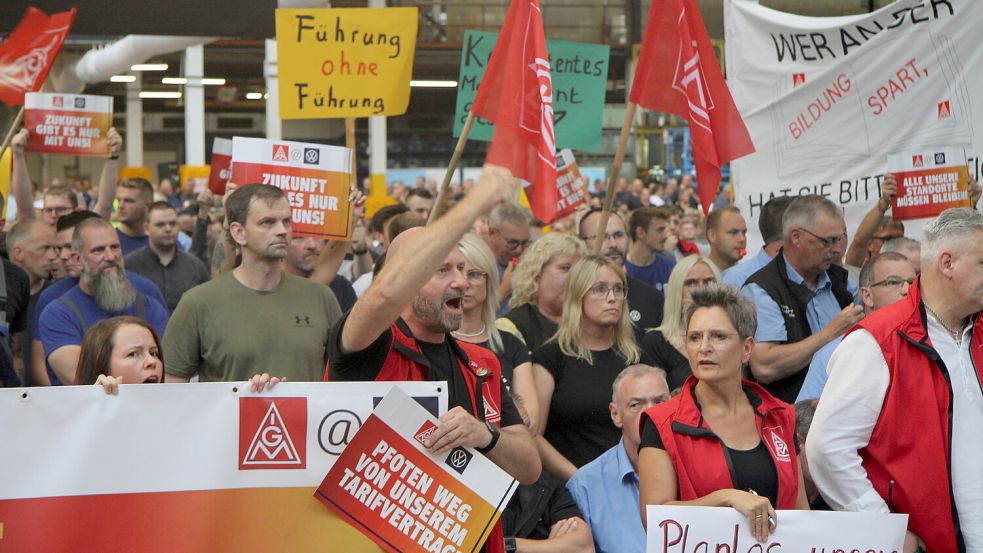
[
  {"x": 678, "y": 72},
  {"x": 516, "y": 93},
  {"x": 29, "y": 51}
]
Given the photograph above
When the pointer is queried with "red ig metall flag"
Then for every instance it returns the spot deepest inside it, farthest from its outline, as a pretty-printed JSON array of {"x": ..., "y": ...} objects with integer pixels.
[
  {"x": 29, "y": 51},
  {"x": 678, "y": 72},
  {"x": 516, "y": 94}
]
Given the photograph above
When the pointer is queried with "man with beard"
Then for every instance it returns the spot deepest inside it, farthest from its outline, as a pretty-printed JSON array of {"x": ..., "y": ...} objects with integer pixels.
[
  {"x": 257, "y": 316},
  {"x": 644, "y": 302},
  {"x": 104, "y": 291},
  {"x": 400, "y": 330},
  {"x": 67, "y": 272},
  {"x": 173, "y": 271},
  {"x": 306, "y": 258}
]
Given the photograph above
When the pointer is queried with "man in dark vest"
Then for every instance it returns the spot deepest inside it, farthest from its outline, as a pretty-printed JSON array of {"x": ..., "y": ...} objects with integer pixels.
[
  {"x": 804, "y": 300},
  {"x": 899, "y": 427},
  {"x": 400, "y": 330}
]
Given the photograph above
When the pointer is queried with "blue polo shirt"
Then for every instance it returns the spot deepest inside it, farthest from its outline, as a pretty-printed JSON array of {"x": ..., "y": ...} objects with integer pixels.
[
  {"x": 819, "y": 312},
  {"x": 737, "y": 275},
  {"x": 606, "y": 492}
]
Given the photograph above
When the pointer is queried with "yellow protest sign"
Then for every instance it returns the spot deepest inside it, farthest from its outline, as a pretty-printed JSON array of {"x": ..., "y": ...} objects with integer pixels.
[
  {"x": 194, "y": 177},
  {"x": 345, "y": 62}
]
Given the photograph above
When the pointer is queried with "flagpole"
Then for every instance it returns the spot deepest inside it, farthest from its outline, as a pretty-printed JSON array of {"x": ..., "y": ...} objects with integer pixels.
[
  {"x": 350, "y": 144},
  {"x": 438, "y": 205},
  {"x": 12, "y": 131},
  {"x": 619, "y": 158}
]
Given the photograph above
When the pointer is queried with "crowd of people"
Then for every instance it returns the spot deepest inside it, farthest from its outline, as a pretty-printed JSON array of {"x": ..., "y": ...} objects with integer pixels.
[{"x": 654, "y": 361}]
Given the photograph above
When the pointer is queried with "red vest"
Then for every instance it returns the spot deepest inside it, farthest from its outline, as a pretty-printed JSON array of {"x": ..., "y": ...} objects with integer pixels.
[
  {"x": 907, "y": 458},
  {"x": 699, "y": 456},
  {"x": 481, "y": 370}
]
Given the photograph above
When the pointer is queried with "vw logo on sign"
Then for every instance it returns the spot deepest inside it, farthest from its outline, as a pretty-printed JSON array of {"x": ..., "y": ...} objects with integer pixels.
[{"x": 458, "y": 459}]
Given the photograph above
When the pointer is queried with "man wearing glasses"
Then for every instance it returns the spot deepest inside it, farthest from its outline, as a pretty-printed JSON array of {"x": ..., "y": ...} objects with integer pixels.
[
  {"x": 804, "y": 299},
  {"x": 508, "y": 236},
  {"x": 885, "y": 279}
]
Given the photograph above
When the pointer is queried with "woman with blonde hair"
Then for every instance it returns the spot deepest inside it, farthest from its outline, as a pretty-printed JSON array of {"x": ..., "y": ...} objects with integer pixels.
[
  {"x": 478, "y": 324},
  {"x": 574, "y": 371},
  {"x": 537, "y": 288},
  {"x": 666, "y": 344}
]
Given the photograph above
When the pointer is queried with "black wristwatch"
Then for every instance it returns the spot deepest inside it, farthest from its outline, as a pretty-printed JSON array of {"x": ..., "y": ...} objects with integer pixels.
[
  {"x": 495, "y": 436},
  {"x": 510, "y": 544}
]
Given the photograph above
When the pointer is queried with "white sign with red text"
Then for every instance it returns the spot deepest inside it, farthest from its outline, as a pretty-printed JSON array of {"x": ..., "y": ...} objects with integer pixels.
[
  {"x": 677, "y": 529},
  {"x": 826, "y": 99}
]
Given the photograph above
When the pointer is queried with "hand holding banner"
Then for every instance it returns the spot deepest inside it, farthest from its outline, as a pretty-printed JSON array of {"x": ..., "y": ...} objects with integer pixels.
[
  {"x": 351, "y": 62},
  {"x": 406, "y": 499},
  {"x": 929, "y": 182},
  {"x": 676, "y": 529},
  {"x": 68, "y": 124},
  {"x": 221, "y": 165},
  {"x": 314, "y": 177}
]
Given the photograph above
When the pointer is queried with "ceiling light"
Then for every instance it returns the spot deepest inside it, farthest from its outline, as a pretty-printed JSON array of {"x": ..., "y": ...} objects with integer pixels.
[
  {"x": 149, "y": 67},
  {"x": 184, "y": 80},
  {"x": 254, "y": 95},
  {"x": 434, "y": 84},
  {"x": 122, "y": 78},
  {"x": 160, "y": 94}
]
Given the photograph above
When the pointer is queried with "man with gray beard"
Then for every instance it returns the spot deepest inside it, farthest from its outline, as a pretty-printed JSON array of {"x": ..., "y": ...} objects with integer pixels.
[{"x": 103, "y": 291}]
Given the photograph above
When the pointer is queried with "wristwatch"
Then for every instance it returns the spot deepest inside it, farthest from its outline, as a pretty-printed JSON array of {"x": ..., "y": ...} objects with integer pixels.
[
  {"x": 495, "y": 436},
  {"x": 510, "y": 544}
]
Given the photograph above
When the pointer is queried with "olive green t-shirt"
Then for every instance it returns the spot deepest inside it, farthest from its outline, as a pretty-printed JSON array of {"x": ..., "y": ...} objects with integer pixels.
[{"x": 226, "y": 332}]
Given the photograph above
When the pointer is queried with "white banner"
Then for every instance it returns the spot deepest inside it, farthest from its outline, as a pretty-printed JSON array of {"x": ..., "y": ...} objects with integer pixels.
[
  {"x": 210, "y": 459},
  {"x": 826, "y": 100},
  {"x": 675, "y": 529}
]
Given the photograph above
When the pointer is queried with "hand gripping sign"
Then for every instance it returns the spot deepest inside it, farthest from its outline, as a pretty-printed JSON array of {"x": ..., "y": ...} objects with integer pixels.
[
  {"x": 314, "y": 177},
  {"x": 929, "y": 182},
  {"x": 407, "y": 500}
]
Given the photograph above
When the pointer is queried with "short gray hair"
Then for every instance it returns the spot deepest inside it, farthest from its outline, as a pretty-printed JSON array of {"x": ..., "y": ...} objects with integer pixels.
[
  {"x": 512, "y": 212},
  {"x": 951, "y": 226},
  {"x": 804, "y": 411},
  {"x": 897, "y": 243},
  {"x": 633, "y": 371},
  {"x": 739, "y": 309},
  {"x": 803, "y": 210},
  {"x": 867, "y": 271}
]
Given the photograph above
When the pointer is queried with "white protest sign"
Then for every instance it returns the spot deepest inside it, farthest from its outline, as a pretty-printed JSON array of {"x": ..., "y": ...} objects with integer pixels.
[
  {"x": 826, "y": 99},
  {"x": 677, "y": 529},
  {"x": 180, "y": 467}
]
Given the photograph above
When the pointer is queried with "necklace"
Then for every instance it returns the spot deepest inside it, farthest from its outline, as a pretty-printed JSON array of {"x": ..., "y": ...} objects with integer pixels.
[
  {"x": 463, "y": 335},
  {"x": 957, "y": 335}
]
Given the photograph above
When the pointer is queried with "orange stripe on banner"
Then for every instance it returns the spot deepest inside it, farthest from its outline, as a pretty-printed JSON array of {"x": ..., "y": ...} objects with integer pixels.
[{"x": 213, "y": 521}]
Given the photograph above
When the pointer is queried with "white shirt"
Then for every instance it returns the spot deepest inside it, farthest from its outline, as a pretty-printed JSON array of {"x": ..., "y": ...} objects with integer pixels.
[{"x": 848, "y": 411}]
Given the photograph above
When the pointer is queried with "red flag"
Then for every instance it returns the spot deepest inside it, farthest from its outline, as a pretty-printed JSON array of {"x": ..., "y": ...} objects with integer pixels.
[
  {"x": 516, "y": 94},
  {"x": 29, "y": 51},
  {"x": 678, "y": 73}
]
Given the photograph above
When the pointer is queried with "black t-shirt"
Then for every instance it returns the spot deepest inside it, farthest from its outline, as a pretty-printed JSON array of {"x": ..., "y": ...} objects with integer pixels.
[
  {"x": 579, "y": 424},
  {"x": 534, "y": 327},
  {"x": 645, "y": 305},
  {"x": 359, "y": 366},
  {"x": 513, "y": 354},
  {"x": 666, "y": 356},
  {"x": 754, "y": 469},
  {"x": 534, "y": 509}
]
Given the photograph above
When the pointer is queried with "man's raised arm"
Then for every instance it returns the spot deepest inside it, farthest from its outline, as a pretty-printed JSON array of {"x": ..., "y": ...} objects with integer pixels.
[
  {"x": 418, "y": 257},
  {"x": 107, "y": 181}
]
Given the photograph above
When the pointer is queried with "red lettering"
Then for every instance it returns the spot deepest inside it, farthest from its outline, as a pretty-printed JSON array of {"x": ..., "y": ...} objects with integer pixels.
[
  {"x": 666, "y": 525},
  {"x": 327, "y": 68}
]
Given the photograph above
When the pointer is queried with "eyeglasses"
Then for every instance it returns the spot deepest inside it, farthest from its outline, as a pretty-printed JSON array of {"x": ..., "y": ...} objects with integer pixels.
[
  {"x": 617, "y": 235},
  {"x": 827, "y": 242},
  {"x": 893, "y": 282},
  {"x": 717, "y": 337},
  {"x": 516, "y": 244},
  {"x": 56, "y": 210},
  {"x": 600, "y": 291},
  {"x": 475, "y": 275}
]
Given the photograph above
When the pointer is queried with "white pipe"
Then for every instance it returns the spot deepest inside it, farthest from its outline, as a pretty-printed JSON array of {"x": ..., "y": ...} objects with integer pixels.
[
  {"x": 100, "y": 64},
  {"x": 194, "y": 106},
  {"x": 274, "y": 126}
]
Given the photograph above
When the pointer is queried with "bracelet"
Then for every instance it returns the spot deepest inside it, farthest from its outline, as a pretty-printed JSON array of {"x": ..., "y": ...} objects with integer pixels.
[{"x": 363, "y": 251}]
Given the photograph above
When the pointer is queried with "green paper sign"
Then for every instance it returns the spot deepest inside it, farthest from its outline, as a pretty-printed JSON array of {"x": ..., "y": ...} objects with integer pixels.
[{"x": 579, "y": 73}]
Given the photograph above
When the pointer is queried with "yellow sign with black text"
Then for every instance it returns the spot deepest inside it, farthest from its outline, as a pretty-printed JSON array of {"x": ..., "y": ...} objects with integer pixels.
[{"x": 345, "y": 62}]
